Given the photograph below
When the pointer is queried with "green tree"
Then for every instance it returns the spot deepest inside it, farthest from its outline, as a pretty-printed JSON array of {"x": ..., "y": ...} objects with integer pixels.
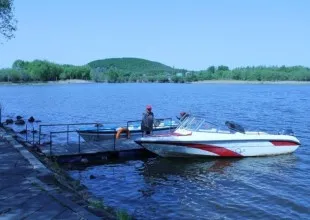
[
  {"x": 19, "y": 64},
  {"x": 162, "y": 79},
  {"x": 211, "y": 69},
  {"x": 191, "y": 78},
  {"x": 113, "y": 75},
  {"x": 7, "y": 20},
  {"x": 222, "y": 68},
  {"x": 177, "y": 79}
]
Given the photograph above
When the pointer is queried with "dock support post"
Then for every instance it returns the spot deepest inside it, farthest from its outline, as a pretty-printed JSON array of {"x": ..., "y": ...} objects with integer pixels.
[
  {"x": 114, "y": 139},
  {"x": 39, "y": 134},
  {"x": 32, "y": 136},
  {"x": 67, "y": 134},
  {"x": 26, "y": 133},
  {"x": 51, "y": 144},
  {"x": 79, "y": 144},
  {"x": 0, "y": 115}
]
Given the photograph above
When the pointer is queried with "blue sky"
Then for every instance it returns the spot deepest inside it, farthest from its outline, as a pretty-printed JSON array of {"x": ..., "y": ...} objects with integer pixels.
[{"x": 184, "y": 34}]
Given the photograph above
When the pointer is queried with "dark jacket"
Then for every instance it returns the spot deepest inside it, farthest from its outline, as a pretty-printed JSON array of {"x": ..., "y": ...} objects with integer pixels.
[
  {"x": 183, "y": 117},
  {"x": 147, "y": 121}
]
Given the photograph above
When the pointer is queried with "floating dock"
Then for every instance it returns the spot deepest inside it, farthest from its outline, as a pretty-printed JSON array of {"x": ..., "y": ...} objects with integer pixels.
[{"x": 63, "y": 143}]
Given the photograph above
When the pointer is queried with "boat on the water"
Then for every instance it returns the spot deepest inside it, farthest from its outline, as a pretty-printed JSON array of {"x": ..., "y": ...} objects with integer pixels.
[
  {"x": 195, "y": 136},
  {"x": 131, "y": 130}
]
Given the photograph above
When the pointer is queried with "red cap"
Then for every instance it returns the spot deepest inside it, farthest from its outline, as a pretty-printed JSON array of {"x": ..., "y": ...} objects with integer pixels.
[
  {"x": 182, "y": 113},
  {"x": 149, "y": 107}
]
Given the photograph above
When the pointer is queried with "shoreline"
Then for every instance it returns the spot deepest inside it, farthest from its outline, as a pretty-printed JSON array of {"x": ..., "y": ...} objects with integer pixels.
[
  {"x": 248, "y": 82},
  {"x": 54, "y": 182},
  {"x": 80, "y": 81},
  {"x": 68, "y": 81}
]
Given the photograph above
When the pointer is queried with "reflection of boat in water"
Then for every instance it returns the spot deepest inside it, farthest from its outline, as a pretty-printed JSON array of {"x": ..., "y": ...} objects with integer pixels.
[
  {"x": 160, "y": 167},
  {"x": 130, "y": 131},
  {"x": 197, "y": 137},
  {"x": 198, "y": 167}
]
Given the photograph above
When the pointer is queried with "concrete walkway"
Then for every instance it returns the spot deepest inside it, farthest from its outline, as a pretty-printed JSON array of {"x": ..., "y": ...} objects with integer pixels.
[{"x": 23, "y": 195}]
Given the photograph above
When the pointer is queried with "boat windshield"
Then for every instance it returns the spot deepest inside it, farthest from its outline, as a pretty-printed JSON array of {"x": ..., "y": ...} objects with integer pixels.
[{"x": 194, "y": 123}]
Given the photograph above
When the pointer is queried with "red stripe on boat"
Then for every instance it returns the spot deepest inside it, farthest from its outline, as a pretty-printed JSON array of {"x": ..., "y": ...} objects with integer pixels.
[
  {"x": 284, "y": 143},
  {"x": 221, "y": 151}
]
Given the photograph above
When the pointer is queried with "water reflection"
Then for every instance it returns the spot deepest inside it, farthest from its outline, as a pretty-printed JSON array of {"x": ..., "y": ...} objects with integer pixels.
[
  {"x": 183, "y": 187},
  {"x": 163, "y": 167}
]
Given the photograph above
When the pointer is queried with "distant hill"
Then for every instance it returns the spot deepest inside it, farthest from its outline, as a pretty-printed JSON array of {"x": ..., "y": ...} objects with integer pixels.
[
  {"x": 133, "y": 65},
  {"x": 119, "y": 70}
]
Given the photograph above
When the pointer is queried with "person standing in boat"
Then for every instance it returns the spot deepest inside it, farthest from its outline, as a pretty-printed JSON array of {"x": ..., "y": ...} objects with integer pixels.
[
  {"x": 147, "y": 120},
  {"x": 183, "y": 116}
]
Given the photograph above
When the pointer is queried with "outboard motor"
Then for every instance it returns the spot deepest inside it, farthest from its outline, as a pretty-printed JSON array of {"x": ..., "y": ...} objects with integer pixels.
[{"x": 287, "y": 132}]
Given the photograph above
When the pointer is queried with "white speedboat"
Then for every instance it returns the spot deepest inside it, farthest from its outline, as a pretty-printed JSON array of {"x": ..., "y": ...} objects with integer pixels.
[
  {"x": 131, "y": 130},
  {"x": 197, "y": 137}
]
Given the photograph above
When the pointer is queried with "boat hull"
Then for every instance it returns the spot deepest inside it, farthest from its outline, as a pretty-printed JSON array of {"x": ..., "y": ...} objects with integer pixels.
[
  {"x": 242, "y": 148},
  {"x": 196, "y": 137},
  {"x": 110, "y": 135}
]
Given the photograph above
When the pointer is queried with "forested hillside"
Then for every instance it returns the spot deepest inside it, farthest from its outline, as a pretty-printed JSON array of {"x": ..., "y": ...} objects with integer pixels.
[{"x": 141, "y": 70}]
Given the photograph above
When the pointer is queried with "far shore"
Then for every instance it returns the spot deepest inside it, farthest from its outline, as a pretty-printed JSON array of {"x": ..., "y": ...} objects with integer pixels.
[
  {"x": 248, "y": 82},
  {"x": 68, "y": 81},
  {"x": 71, "y": 81},
  {"x": 80, "y": 81}
]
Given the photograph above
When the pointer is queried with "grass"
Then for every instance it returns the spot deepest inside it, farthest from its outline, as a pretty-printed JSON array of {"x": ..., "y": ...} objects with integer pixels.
[
  {"x": 96, "y": 204},
  {"x": 123, "y": 215}
]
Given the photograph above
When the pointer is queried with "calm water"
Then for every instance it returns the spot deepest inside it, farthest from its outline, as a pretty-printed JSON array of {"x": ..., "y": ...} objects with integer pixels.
[{"x": 156, "y": 188}]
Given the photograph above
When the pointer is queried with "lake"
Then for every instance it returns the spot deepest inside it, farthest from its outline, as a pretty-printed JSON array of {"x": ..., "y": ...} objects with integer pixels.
[{"x": 157, "y": 188}]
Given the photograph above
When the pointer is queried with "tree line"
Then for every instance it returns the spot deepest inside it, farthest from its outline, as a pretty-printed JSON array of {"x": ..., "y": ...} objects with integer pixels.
[
  {"x": 258, "y": 73},
  {"x": 40, "y": 70}
]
